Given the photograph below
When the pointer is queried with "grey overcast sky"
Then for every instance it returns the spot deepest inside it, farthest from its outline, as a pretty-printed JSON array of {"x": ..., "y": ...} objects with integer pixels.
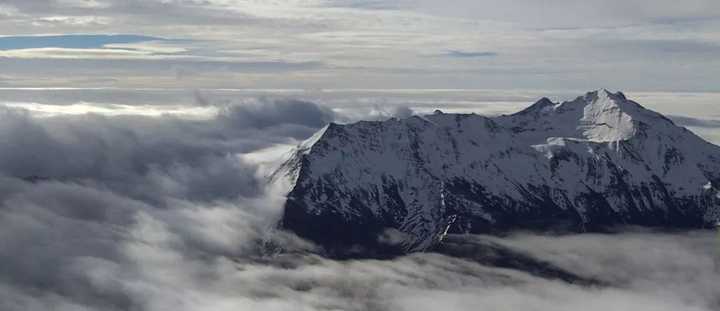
[{"x": 644, "y": 45}]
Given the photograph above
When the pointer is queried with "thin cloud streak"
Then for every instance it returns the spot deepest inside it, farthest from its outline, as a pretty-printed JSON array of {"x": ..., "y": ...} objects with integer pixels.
[
  {"x": 464, "y": 54},
  {"x": 69, "y": 41}
]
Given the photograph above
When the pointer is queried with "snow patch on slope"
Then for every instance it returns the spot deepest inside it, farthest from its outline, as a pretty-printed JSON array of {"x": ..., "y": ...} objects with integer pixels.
[
  {"x": 604, "y": 120},
  {"x": 306, "y": 145}
]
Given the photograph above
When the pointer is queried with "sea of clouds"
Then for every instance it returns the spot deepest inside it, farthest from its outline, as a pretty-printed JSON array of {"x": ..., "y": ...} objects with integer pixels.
[{"x": 164, "y": 212}]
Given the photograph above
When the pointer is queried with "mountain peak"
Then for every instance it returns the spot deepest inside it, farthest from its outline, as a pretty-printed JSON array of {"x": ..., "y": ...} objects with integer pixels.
[
  {"x": 605, "y": 96},
  {"x": 607, "y": 116},
  {"x": 605, "y": 93},
  {"x": 616, "y": 100},
  {"x": 592, "y": 97},
  {"x": 538, "y": 107},
  {"x": 598, "y": 116},
  {"x": 587, "y": 164}
]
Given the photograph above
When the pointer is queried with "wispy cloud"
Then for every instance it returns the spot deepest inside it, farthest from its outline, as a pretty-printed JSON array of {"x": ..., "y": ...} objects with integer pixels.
[
  {"x": 696, "y": 122},
  {"x": 69, "y": 41},
  {"x": 467, "y": 54}
]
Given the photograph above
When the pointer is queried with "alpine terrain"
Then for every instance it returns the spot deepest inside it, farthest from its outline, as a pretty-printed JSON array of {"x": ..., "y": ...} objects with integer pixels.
[{"x": 589, "y": 164}]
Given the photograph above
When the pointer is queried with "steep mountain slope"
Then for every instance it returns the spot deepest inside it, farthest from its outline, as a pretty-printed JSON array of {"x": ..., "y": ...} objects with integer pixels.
[{"x": 598, "y": 161}]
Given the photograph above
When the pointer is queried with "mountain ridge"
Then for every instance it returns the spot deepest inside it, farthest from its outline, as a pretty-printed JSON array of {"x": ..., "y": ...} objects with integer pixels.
[{"x": 583, "y": 165}]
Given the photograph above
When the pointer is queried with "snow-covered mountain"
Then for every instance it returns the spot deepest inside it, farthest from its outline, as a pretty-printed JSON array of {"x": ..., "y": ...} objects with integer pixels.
[{"x": 589, "y": 164}]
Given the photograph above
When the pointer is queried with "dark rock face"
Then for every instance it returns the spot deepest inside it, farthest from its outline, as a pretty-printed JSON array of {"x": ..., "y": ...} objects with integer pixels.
[{"x": 585, "y": 165}]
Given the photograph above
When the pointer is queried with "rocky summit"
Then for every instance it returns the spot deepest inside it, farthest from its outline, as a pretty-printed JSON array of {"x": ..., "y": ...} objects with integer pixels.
[{"x": 590, "y": 164}]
